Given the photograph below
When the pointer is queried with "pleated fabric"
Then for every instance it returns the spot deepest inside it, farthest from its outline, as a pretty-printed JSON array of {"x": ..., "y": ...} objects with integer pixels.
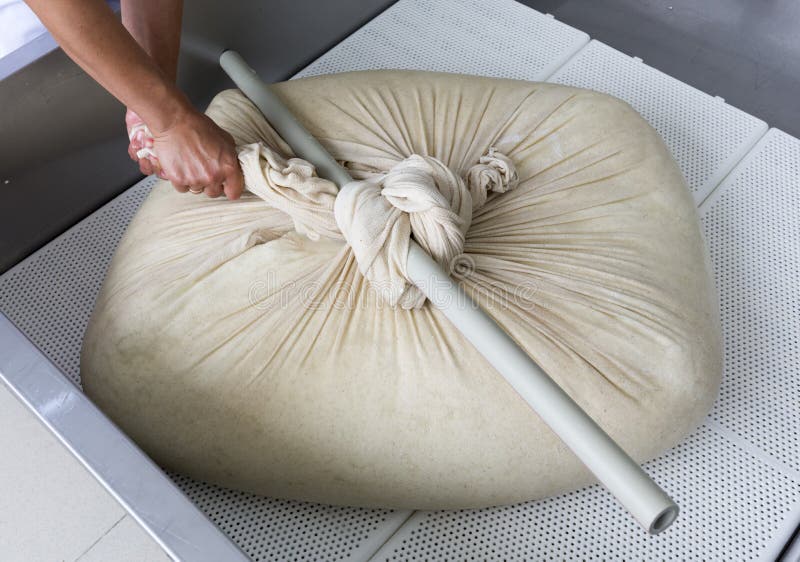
[{"x": 239, "y": 346}]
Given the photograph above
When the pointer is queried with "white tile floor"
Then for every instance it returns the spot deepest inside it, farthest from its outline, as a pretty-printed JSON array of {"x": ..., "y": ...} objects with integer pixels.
[{"x": 51, "y": 508}]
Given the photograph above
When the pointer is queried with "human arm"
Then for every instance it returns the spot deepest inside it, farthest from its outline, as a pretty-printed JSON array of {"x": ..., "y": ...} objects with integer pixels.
[
  {"x": 192, "y": 151},
  {"x": 156, "y": 27}
]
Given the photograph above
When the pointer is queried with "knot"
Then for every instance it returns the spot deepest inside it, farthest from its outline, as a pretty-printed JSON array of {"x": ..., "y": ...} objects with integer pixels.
[
  {"x": 420, "y": 196},
  {"x": 495, "y": 172}
]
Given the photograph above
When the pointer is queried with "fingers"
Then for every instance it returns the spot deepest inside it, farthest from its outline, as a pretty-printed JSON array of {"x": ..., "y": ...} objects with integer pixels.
[
  {"x": 213, "y": 190},
  {"x": 211, "y": 180},
  {"x": 212, "y": 184},
  {"x": 146, "y": 166},
  {"x": 234, "y": 184},
  {"x": 231, "y": 188},
  {"x": 198, "y": 156},
  {"x": 138, "y": 141},
  {"x": 155, "y": 164}
]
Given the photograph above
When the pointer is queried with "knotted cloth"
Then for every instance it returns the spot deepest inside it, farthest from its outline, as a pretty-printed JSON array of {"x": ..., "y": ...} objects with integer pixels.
[
  {"x": 419, "y": 196},
  {"x": 250, "y": 343}
]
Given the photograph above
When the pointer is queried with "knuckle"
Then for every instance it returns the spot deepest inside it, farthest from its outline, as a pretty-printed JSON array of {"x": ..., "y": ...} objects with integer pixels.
[{"x": 213, "y": 169}]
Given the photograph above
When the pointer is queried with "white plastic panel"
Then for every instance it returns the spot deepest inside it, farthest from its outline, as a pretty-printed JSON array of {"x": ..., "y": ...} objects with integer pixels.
[
  {"x": 732, "y": 503},
  {"x": 752, "y": 224},
  {"x": 499, "y": 38},
  {"x": 707, "y": 137}
]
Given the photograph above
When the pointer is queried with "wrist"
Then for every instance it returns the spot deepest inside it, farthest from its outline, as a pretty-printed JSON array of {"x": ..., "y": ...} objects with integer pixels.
[{"x": 166, "y": 106}]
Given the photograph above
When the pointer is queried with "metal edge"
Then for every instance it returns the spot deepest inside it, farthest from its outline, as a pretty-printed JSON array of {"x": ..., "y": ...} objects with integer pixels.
[
  {"x": 35, "y": 48},
  {"x": 131, "y": 477}
]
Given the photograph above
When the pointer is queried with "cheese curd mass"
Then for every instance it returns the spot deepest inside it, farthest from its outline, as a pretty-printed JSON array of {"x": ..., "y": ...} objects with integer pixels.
[{"x": 273, "y": 344}]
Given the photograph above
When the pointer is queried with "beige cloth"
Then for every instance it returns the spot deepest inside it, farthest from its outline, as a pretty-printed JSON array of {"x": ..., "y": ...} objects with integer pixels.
[
  {"x": 243, "y": 346},
  {"x": 419, "y": 196}
]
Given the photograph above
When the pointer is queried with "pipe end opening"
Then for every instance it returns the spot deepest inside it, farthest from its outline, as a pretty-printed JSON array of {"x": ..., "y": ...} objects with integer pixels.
[{"x": 664, "y": 519}]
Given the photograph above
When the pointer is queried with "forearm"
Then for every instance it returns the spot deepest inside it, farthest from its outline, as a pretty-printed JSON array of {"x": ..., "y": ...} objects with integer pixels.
[
  {"x": 156, "y": 26},
  {"x": 94, "y": 38}
]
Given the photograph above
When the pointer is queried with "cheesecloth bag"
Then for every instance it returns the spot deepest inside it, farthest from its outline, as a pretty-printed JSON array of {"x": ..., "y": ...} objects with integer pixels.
[{"x": 272, "y": 344}]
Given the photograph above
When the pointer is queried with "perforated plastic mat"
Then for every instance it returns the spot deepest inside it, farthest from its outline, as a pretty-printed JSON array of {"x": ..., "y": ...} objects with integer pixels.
[
  {"x": 752, "y": 224},
  {"x": 498, "y": 38},
  {"x": 736, "y": 478},
  {"x": 706, "y": 136}
]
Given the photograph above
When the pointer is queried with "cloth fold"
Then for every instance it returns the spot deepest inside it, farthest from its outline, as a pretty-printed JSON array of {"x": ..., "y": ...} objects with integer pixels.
[{"x": 419, "y": 197}]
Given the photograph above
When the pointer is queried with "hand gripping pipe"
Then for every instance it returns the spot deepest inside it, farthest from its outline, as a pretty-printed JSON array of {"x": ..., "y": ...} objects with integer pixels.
[{"x": 631, "y": 485}]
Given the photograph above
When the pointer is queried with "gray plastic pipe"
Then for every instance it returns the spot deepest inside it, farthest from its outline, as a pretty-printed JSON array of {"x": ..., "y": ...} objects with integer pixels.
[{"x": 631, "y": 485}]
